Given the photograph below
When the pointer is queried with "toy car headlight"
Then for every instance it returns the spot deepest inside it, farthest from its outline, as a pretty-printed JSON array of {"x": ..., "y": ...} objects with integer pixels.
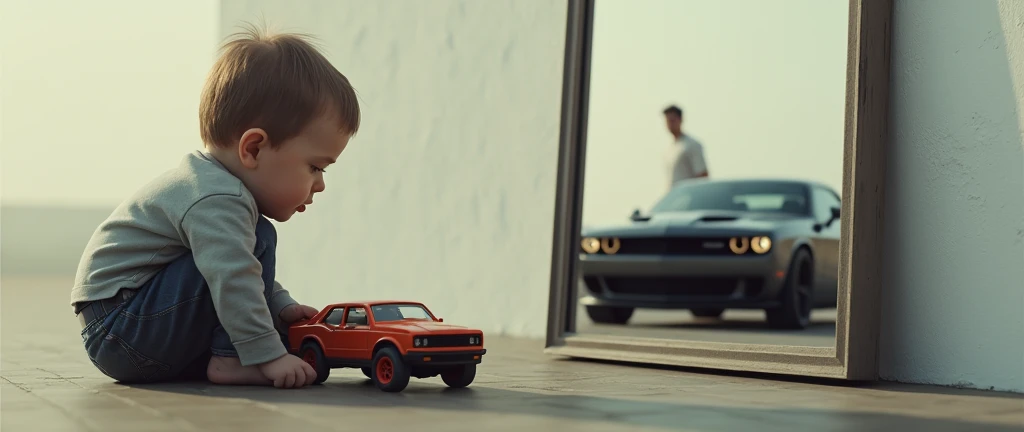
[{"x": 419, "y": 341}]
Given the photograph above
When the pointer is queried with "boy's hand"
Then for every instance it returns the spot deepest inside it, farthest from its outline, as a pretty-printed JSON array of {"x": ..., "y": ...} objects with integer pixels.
[
  {"x": 295, "y": 312},
  {"x": 288, "y": 371}
]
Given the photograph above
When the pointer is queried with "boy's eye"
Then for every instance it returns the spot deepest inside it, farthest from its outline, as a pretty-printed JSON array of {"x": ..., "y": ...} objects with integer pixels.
[{"x": 316, "y": 168}]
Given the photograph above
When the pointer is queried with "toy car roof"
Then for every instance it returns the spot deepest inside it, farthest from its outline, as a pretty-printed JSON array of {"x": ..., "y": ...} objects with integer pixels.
[{"x": 375, "y": 303}]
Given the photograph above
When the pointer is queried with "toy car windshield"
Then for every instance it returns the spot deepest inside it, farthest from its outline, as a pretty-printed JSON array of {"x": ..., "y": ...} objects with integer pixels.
[{"x": 398, "y": 312}]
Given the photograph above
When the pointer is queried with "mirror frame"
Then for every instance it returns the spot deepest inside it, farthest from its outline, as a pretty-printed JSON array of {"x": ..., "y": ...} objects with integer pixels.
[{"x": 853, "y": 357}]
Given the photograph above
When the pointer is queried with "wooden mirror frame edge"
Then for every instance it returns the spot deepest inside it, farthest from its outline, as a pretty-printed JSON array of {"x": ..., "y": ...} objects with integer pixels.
[{"x": 854, "y": 355}]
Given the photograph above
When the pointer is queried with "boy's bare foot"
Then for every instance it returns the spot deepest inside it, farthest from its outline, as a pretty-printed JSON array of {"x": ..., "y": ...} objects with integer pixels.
[{"x": 229, "y": 371}]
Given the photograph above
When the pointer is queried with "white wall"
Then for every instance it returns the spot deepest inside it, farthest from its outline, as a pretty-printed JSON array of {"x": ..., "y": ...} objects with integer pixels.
[
  {"x": 447, "y": 194},
  {"x": 953, "y": 302}
]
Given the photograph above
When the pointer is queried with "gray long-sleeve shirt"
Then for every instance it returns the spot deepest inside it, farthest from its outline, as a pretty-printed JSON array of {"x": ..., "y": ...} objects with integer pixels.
[{"x": 198, "y": 207}]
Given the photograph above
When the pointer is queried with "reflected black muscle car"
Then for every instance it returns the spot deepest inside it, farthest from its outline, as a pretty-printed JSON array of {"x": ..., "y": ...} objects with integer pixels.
[{"x": 711, "y": 245}]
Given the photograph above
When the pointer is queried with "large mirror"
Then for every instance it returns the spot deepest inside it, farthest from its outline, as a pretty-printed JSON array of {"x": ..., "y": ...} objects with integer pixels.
[{"x": 708, "y": 170}]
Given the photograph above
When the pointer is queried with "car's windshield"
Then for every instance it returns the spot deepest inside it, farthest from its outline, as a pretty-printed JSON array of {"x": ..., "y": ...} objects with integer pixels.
[
  {"x": 758, "y": 196},
  {"x": 398, "y": 312}
]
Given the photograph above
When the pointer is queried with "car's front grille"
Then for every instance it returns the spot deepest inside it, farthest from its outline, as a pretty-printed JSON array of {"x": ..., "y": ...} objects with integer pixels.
[
  {"x": 675, "y": 286},
  {"x": 713, "y": 246},
  {"x": 445, "y": 341},
  {"x": 442, "y": 358}
]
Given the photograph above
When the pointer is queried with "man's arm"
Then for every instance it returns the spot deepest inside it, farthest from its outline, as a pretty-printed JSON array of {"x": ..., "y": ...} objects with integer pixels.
[
  {"x": 695, "y": 155},
  {"x": 221, "y": 232}
]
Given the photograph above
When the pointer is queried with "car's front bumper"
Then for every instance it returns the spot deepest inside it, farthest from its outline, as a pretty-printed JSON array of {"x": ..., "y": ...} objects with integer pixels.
[
  {"x": 667, "y": 265},
  {"x": 444, "y": 358},
  {"x": 660, "y": 281}
]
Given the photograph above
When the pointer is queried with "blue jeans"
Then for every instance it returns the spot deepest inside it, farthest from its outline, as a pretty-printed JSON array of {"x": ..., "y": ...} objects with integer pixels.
[{"x": 168, "y": 329}]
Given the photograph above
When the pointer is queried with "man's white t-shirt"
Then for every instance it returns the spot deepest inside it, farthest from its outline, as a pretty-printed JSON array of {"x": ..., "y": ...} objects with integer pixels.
[{"x": 685, "y": 159}]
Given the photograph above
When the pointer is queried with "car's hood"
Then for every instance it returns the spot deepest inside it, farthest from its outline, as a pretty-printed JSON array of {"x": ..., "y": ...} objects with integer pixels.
[
  {"x": 424, "y": 327},
  {"x": 711, "y": 222}
]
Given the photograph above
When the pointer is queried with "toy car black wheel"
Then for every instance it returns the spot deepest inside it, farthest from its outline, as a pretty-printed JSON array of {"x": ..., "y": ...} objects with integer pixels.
[
  {"x": 390, "y": 373},
  {"x": 368, "y": 372},
  {"x": 314, "y": 356},
  {"x": 707, "y": 313},
  {"x": 609, "y": 315},
  {"x": 796, "y": 296},
  {"x": 459, "y": 376}
]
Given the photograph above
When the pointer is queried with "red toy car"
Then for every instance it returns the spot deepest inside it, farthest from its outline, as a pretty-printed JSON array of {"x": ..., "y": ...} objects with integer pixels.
[{"x": 390, "y": 341}]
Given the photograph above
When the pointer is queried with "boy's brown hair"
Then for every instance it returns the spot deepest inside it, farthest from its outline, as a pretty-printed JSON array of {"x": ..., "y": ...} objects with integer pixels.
[{"x": 275, "y": 82}]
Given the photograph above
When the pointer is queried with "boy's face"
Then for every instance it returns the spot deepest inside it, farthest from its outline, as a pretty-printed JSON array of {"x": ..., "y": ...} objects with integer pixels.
[{"x": 283, "y": 180}]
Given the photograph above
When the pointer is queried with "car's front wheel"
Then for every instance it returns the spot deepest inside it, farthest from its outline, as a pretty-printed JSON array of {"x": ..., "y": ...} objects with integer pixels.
[
  {"x": 314, "y": 356},
  {"x": 390, "y": 373},
  {"x": 609, "y": 315},
  {"x": 459, "y": 376},
  {"x": 796, "y": 296}
]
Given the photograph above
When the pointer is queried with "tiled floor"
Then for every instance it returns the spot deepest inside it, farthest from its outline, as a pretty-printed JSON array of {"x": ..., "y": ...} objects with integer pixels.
[{"x": 49, "y": 384}]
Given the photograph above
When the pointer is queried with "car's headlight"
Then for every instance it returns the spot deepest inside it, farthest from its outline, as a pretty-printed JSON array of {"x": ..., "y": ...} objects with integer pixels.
[
  {"x": 608, "y": 245},
  {"x": 761, "y": 244},
  {"x": 419, "y": 342},
  {"x": 474, "y": 340},
  {"x": 739, "y": 245},
  {"x": 758, "y": 244}
]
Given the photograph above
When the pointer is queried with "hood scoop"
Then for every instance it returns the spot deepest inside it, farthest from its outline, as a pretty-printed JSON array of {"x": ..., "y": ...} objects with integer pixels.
[{"x": 717, "y": 219}]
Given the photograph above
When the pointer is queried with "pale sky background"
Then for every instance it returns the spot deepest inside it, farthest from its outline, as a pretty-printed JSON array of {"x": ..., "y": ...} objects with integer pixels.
[
  {"x": 762, "y": 85},
  {"x": 98, "y": 97}
]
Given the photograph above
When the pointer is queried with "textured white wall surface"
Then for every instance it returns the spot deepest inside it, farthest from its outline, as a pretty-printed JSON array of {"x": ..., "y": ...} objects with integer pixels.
[
  {"x": 953, "y": 302},
  {"x": 446, "y": 195}
]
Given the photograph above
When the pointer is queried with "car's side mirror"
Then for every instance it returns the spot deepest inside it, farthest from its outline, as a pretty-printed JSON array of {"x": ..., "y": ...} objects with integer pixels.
[
  {"x": 439, "y": 319},
  {"x": 835, "y": 216}
]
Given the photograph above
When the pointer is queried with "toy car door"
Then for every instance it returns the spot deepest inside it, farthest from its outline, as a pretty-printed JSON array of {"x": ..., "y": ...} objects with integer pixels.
[
  {"x": 335, "y": 339},
  {"x": 354, "y": 334}
]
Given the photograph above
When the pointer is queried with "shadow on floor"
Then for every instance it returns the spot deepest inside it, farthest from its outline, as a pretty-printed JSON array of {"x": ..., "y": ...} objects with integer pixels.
[
  {"x": 728, "y": 324},
  {"x": 879, "y": 386},
  {"x": 355, "y": 393}
]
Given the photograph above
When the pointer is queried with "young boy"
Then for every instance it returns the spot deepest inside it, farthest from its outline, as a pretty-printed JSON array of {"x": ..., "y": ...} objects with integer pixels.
[{"x": 179, "y": 281}]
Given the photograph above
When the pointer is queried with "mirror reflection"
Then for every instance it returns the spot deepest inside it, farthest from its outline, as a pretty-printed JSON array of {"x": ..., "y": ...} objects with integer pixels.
[{"x": 713, "y": 171}]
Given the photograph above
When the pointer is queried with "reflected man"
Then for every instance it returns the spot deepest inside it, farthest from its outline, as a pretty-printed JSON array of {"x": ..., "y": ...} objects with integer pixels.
[{"x": 685, "y": 158}]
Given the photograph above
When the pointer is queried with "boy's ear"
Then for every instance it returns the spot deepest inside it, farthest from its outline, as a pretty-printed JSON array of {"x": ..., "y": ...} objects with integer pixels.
[{"x": 253, "y": 141}]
